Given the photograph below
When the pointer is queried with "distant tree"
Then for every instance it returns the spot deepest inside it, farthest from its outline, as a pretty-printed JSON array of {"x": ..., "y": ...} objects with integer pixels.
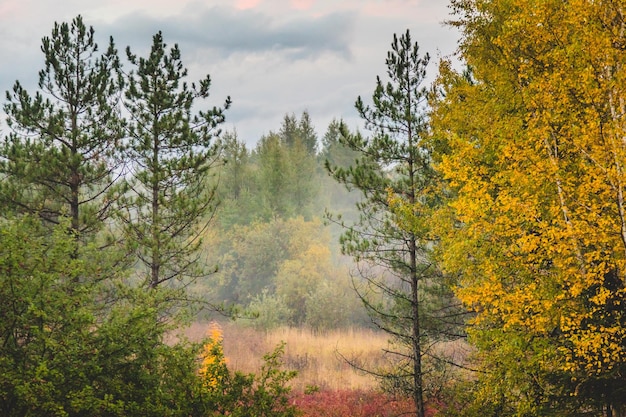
[
  {"x": 289, "y": 132},
  {"x": 300, "y": 276},
  {"x": 334, "y": 305},
  {"x": 235, "y": 173},
  {"x": 394, "y": 262},
  {"x": 303, "y": 180},
  {"x": 269, "y": 310},
  {"x": 293, "y": 131},
  {"x": 59, "y": 158},
  {"x": 333, "y": 150},
  {"x": 287, "y": 177},
  {"x": 252, "y": 254},
  {"x": 315, "y": 289},
  {"x": 168, "y": 202},
  {"x": 237, "y": 183},
  {"x": 275, "y": 173},
  {"x": 308, "y": 137},
  {"x": 335, "y": 153}
]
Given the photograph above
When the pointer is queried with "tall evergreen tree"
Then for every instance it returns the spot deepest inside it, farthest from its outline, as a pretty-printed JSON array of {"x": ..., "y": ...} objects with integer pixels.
[
  {"x": 59, "y": 159},
  {"x": 394, "y": 262},
  {"x": 235, "y": 174},
  {"x": 294, "y": 132},
  {"x": 307, "y": 133},
  {"x": 303, "y": 180},
  {"x": 288, "y": 132},
  {"x": 275, "y": 172},
  {"x": 287, "y": 172},
  {"x": 332, "y": 149},
  {"x": 237, "y": 184},
  {"x": 168, "y": 202}
]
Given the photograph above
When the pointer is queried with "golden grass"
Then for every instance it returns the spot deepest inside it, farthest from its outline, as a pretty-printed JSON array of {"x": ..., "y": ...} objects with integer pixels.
[{"x": 320, "y": 359}]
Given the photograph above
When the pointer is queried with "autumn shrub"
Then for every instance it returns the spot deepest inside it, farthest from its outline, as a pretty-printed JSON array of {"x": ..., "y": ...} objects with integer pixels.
[
  {"x": 239, "y": 394},
  {"x": 213, "y": 369},
  {"x": 345, "y": 403}
]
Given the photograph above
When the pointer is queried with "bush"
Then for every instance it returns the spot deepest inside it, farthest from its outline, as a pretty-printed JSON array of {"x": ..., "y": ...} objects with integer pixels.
[
  {"x": 334, "y": 305},
  {"x": 271, "y": 311},
  {"x": 265, "y": 394},
  {"x": 352, "y": 404}
]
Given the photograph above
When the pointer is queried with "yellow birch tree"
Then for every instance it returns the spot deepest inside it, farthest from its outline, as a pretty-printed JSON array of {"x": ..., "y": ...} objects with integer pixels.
[{"x": 532, "y": 141}]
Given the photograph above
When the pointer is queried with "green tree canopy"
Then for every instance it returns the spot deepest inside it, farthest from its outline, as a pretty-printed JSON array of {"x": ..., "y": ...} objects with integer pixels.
[
  {"x": 60, "y": 157},
  {"x": 67, "y": 350},
  {"x": 168, "y": 201},
  {"x": 294, "y": 131},
  {"x": 287, "y": 177}
]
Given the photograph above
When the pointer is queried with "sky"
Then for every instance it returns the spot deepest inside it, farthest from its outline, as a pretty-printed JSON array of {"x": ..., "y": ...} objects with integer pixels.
[{"x": 272, "y": 57}]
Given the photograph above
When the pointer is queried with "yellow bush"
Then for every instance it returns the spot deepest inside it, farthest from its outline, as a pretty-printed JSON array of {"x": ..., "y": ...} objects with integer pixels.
[{"x": 213, "y": 366}]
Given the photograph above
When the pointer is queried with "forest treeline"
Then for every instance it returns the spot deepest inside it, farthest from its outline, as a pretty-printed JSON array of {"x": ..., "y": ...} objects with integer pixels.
[
  {"x": 277, "y": 258},
  {"x": 487, "y": 207}
]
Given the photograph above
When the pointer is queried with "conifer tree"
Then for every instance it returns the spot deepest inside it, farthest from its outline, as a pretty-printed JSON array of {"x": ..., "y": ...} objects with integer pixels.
[
  {"x": 169, "y": 200},
  {"x": 289, "y": 129},
  {"x": 287, "y": 169},
  {"x": 307, "y": 133},
  {"x": 274, "y": 172},
  {"x": 333, "y": 150},
  {"x": 59, "y": 157},
  {"x": 237, "y": 184},
  {"x": 237, "y": 165},
  {"x": 394, "y": 262},
  {"x": 294, "y": 132}
]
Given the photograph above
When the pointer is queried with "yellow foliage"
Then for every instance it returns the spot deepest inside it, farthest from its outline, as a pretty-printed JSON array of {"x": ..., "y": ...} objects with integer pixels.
[
  {"x": 534, "y": 149},
  {"x": 213, "y": 362}
]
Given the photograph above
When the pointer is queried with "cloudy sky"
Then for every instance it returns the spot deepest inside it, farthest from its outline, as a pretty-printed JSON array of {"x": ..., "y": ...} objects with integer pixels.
[{"x": 271, "y": 56}]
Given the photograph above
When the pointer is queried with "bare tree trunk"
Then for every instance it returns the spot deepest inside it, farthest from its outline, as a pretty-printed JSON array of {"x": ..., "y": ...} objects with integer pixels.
[{"x": 418, "y": 389}]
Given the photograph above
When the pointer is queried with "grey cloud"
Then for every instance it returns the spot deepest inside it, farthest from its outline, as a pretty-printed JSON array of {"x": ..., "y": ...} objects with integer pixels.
[
  {"x": 229, "y": 31},
  {"x": 270, "y": 59}
]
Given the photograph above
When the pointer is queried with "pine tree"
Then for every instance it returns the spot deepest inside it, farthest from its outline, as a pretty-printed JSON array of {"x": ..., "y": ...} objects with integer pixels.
[
  {"x": 307, "y": 133},
  {"x": 395, "y": 262},
  {"x": 333, "y": 150},
  {"x": 168, "y": 202},
  {"x": 289, "y": 132},
  {"x": 237, "y": 183},
  {"x": 287, "y": 170},
  {"x": 60, "y": 157},
  {"x": 274, "y": 173},
  {"x": 294, "y": 132}
]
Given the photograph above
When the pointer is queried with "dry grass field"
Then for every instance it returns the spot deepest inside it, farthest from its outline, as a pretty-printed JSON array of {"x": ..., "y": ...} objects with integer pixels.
[{"x": 320, "y": 359}]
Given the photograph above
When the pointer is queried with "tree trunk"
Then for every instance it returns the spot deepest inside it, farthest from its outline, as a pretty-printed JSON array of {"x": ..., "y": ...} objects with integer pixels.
[
  {"x": 418, "y": 390},
  {"x": 155, "y": 264}
]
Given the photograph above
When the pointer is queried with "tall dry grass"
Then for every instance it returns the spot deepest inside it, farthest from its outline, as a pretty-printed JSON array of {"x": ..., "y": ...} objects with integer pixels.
[{"x": 320, "y": 359}]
